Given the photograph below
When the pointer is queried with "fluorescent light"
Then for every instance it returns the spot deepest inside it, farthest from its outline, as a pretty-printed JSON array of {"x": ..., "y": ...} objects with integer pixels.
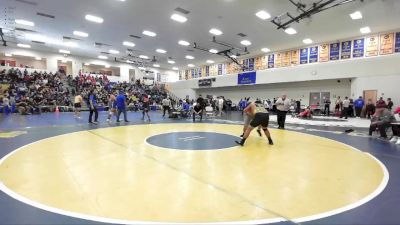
[
  {"x": 107, "y": 66},
  {"x": 233, "y": 56},
  {"x": 141, "y": 68},
  {"x": 8, "y": 54},
  {"x": 149, "y": 33},
  {"x": 70, "y": 44},
  {"x": 215, "y": 51},
  {"x": 25, "y": 22},
  {"x": 191, "y": 65},
  {"x": 266, "y": 50},
  {"x": 356, "y": 15},
  {"x": 245, "y": 42},
  {"x": 64, "y": 51},
  {"x": 87, "y": 64},
  {"x": 171, "y": 61},
  {"x": 210, "y": 61},
  {"x": 175, "y": 68},
  {"x": 365, "y": 30},
  {"x": 81, "y": 33},
  {"x": 189, "y": 57},
  {"x": 95, "y": 19},
  {"x": 184, "y": 43},
  {"x": 128, "y": 43},
  {"x": 156, "y": 65},
  {"x": 290, "y": 31},
  {"x": 129, "y": 61},
  {"x": 162, "y": 51},
  {"x": 143, "y": 56},
  {"x": 215, "y": 31},
  {"x": 307, "y": 41},
  {"x": 23, "y": 46},
  {"x": 102, "y": 57},
  {"x": 178, "y": 18},
  {"x": 112, "y": 51},
  {"x": 263, "y": 15},
  {"x": 38, "y": 58}
]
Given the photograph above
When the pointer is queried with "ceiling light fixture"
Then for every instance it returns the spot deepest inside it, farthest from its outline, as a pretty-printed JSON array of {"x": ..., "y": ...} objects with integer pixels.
[
  {"x": 80, "y": 33},
  {"x": 143, "y": 56},
  {"x": 128, "y": 43},
  {"x": 171, "y": 61},
  {"x": 266, "y": 50},
  {"x": 189, "y": 57},
  {"x": 215, "y": 51},
  {"x": 307, "y": 41},
  {"x": 71, "y": 44},
  {"x": 7, "y": 54},
  {"x": 290, "y": 31},
  {"x": 141, "y": 68},
  {"x": 178, "y": 18},
  {"x": 356, "y": 15},
  {"x": 64, "y": 51},
  {"x": 95, "y": 19},
  {"x": 215, "y": 31},
  {"x": 263, "y": 15},
  {"x": 23, "y": 46},
  {"x": 112, "y": 51},
  {"x": 156, "y": 65},
  {"x": 365, "y": 30},
  {"x": 38, "y": 58},
  {"x": 184, "y": 43},
  {"x": 191, "y": 65},
  {"x": 245, "y": 42},
  {"x": 210, "y": 61},
  {"x": 87, "y": 64},
  {"x": 175, "y": 68},
  {"x": 162, "y": 51},
  {"x": 129, "y": 61},
  {"x": 149, "y": 33},
  {"x": 102, "y": 57},
  {"x": 233, "y": 56},
  {"x": 25, "y": 22},
  {"x": 107, "y": 66}
]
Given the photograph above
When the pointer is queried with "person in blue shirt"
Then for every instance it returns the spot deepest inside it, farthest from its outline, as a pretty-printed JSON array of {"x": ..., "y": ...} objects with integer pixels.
[
  {"x": 358, "y": 105},
  {"x": 121, "y": 106},
  {"x": 93, "y": 107}
]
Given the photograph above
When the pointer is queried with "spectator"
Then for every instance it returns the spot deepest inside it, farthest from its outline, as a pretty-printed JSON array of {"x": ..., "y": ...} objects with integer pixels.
[
  {"x": 358, "y": 105},
  {"x": 381, "y": 103},
  {"x": 345, "y": 111},
  {"x": 370, "y": 109},
  {"x": 381, "y": 120},
  {"x": 389, "y": 104}
]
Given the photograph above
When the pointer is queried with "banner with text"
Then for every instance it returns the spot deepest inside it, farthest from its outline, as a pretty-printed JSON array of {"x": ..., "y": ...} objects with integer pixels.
[{"x": 247, "y": 78}]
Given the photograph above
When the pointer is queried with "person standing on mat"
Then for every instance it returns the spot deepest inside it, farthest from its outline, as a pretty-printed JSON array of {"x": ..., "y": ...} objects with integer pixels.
[
  {"x": 282, "y": 106},
  {"x": 93, "y": 107},
  {"x": 121, "y": 106},
  {"x": 112, "y": 111},
  {"x": 146, "y": 107},
  {"x": 346, "y": 105},
  {"x": 261, "y": 118},
  {"x": 248, "y": 117},
  {"x": 166, "y": 103},
  {"x": 327, "y": 108}
]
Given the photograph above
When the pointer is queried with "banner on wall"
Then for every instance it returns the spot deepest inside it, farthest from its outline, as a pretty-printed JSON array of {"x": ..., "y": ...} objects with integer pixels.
[
  {"x": 324, "y": 53},
  {"x": 207, "y": 71},
  {"x": 251, "y": 64},
  {"x": 219, "y": 69},
  {"x": 271, "y": 61},
  {"x": 304, "y": 56},
  {"x": 334, "y": 51},
  {"x": 346, "y": 50},
  {"x": 371, "y": 45},
  {"x": 285, "y": 59},
  {"x": 358, "y": 48},
  {"x": 247, "y": 78},
  {"x": 295, "y": 57},
  {"x": 313, "y": 55},
  {"x": 397, "y": 42},
  {"x": 278, "y": 60},
  {"x": 387, "y": 43}
]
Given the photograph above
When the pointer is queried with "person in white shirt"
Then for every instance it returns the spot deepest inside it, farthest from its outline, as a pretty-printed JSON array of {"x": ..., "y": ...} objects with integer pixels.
[
  {"x": 166, "y": 103},
  {"x": 345, "y": 111},
  {"x": 282, "y": 106},
  {"x": 220, "y": 105}
]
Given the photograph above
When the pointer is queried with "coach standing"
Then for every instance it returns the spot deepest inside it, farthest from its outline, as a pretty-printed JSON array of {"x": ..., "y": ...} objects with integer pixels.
[{"x": 282, "y": 106}]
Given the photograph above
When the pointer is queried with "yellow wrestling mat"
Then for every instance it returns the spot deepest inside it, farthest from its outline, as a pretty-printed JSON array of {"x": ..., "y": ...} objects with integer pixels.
[{"x": 126, "y": 174}]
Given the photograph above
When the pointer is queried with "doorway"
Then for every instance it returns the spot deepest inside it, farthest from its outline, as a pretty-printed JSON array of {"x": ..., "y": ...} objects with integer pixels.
[{"x": 371, "y": 94}]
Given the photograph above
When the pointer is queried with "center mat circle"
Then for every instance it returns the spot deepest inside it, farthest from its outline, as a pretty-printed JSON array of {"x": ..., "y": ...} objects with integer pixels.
[
  {"x": 193, "y": 140},
  {"x": 111, "y": 175}
]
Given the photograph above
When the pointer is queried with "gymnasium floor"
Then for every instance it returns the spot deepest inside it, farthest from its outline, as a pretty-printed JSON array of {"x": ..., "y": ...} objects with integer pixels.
[{"x": 55, "y": 169}]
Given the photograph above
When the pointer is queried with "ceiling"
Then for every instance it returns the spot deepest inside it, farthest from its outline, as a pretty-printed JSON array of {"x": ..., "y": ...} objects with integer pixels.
[{"x": 131, "y": 17}]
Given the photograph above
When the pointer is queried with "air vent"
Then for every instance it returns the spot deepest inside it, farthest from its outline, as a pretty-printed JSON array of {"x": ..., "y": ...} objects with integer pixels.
[
  {"x": 38, "y": 42},
  {"x": 24, "y": 30},
  {"x": 135, "y": 36},
  {"x": 26, "y": 2},
  {"x": 99, "y": 45},
  {"x": 71, "y": 38},
  {"x": 45, "y": 15},
  {"x": 184, "y": 11},
  {"x": 241, "y": 35},
  {"x": 105, "y": 53}
]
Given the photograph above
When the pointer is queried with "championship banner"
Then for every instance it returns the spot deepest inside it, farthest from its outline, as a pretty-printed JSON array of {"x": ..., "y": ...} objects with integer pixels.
[
  {"x": 295, "y": 57},
  {"x": 207, "y": 71},
  {"x": 285, "y": 59},
  {"x": 387, "y": 43},
  {"x": 324, "y": 53},
  {"x": 278, "y": 60},
  {"x": 247, "y": 78},
  {"x": 346, "y": 50},
  {"x": 199, "y": 72},
  {"x": 205, "y": 83},
  {"x": 251, "y": 64},
  {"x": 313, "y": 54},
  {"x": 187, "y": 74},
  {"x": 219, "y": 69},
  {"x": 371, "y": 45},
  {"x": 358, "y": 48},
  {"x": 304, "y": 56},
  {"x": 180, "y": 75},
  {"x": 193, "y": 73},
  {"x": 397, "y": 42},
  {"x": 258, "y": 63},
  {"x": 334, "y": 51},
  {"x": 271, "y": 61}
]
